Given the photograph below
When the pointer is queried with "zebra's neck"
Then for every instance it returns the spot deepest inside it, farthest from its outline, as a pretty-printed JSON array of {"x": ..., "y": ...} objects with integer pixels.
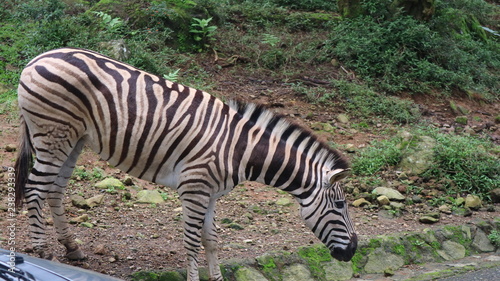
[{"x": 280, "y": 154}]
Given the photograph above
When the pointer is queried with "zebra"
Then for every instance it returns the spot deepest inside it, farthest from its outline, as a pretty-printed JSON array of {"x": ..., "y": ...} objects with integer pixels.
[{"x": 170, "y": 134}]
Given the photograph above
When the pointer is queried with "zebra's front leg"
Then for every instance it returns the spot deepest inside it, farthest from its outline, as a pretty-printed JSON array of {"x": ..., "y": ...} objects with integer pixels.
[
  {"x": 195, "y": 207},
  {"x": 209, "y": 240}
]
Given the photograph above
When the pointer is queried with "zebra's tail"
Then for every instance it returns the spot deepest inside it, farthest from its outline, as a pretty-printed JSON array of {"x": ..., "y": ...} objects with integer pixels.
[{"x": 24, "y": 163}]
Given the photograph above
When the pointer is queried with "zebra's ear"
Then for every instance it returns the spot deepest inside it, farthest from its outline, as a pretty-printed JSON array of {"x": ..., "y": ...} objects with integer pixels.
[{"x": 338, "y": 174}]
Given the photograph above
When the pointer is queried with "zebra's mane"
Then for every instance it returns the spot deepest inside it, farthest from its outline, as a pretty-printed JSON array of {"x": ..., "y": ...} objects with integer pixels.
[{"x": 263, "y": 117}]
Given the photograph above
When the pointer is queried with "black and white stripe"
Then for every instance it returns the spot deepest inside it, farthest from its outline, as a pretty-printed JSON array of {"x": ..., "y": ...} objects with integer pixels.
[{"x": 170, "y": 134}]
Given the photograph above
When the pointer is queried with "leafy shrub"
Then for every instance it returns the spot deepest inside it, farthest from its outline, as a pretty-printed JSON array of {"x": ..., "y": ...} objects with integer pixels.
[
  {"x": 202, "y": 33},
  {"x": 494, "y": 237},
  {"x": 403, "y": 54},
  {"x": 309, "y": 5},
  {"x": 467, "y": 162}
]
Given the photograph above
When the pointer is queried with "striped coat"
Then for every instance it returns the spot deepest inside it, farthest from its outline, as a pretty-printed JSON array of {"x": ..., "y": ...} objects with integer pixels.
[{"x": 170, "y": 134}]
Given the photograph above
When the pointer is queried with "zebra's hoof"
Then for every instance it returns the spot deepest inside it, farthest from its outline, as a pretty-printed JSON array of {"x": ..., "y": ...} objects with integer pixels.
[{"x": 75, "y": 255}]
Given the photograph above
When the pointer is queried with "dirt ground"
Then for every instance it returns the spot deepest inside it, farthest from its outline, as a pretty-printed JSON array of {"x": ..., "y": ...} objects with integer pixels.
[{"x": 128, "y": 237}]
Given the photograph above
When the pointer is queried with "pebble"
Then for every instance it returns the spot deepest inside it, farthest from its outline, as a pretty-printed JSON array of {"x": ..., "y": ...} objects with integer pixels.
[
  {"x": 100, "y": 249},
  {"x": 428, "y": 219},
  {"x": 445, "y": 209},
  {"x": 80, "y": 219},
  {"x": 10, "y": 148}
]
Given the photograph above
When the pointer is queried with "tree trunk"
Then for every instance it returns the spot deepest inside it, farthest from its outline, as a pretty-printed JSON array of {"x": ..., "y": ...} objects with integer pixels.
[
  {"x": 350, "y": 8},
  {"x": 419, "y": 9}
]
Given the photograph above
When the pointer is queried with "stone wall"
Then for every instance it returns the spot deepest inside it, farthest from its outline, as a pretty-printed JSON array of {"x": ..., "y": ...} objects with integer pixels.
[{"x": 378, "y": 254}]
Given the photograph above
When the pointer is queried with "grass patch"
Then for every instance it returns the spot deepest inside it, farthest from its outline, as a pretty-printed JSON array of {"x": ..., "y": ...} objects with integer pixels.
[
  {"x": 380, "y": 155},
  {"x": 469, "y": 164}
]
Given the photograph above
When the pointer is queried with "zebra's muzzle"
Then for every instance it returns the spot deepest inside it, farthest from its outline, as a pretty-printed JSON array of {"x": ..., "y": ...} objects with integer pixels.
[{"x": 347, "y": 253}]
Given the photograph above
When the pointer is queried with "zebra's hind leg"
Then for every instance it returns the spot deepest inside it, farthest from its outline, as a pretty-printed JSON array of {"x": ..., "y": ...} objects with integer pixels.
[
  {"x": 42, "y": 177},
  {"x": 55, "y": 201},
  {"x": 209, "y": 240}
]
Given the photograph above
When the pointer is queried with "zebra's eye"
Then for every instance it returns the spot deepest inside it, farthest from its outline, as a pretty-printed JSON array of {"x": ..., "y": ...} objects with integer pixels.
[{"x": 339, "y": 204}]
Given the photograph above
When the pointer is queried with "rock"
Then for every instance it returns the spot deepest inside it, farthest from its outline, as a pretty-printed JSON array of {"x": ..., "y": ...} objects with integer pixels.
[
  {"x": 445, "y": 209},
  {"x": 420, "y": 158},
  {"x": 80, "y": 219},
  {"x": 149, "y": 197},
  {"x": 350, "y": 148},
  {"x": 458, "y": 109},
  {"x": 495, "y": 195},
  {"x": 127, "y": 196},
  {"x": 296, "y": 272},
  {"x": 428, "y": 219},
  {"x": 343, "y": 118},
  {"x": 388, "y": 272},
  {"x": 87, "y": 224},
  {"x": 249, "y": 274},
  {"x": 383, "y": 200},
  {"x": 100, "y": 249},
  {"x": 79, "y": 202},
  {"x": 128, "y": 181},
  {"x": 110, "y": 183},
  {"x": 327, "y": 127},
  {"x": 416, "y": 199},
  {"x": 462, "y": 120},
  {"x": 319, "y": 126},
  {"x": 284, "y": 202},
  {"x": 397, "y": 205},
  {"x": 379, "y": 261},
  {"x": 482, "y": 243},
  {"x": 360, "y": 202},
  {"x": 473, "y": 202},
  {"x": 451, "y": 251},
  {"x": 454, "y": 108},
  {"x": 465, "y": 212},
  {"x": 387, "y": 213},
  {"x": 95, "y": 201},
  {"x": 392, "y": 194},
  {"x": 236, "y": 226},
  {"x": 10, "y": 147},
  {"x": 460, "y": 201},
  {"x": 336, "y": 270}
]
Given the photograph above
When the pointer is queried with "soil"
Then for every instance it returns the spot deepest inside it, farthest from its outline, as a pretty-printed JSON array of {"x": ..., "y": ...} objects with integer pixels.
[{"x": 127, "y": 237}]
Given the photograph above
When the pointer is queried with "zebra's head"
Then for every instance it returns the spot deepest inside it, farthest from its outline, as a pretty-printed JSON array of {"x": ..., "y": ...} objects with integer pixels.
[{"x": 325, "y": 213}]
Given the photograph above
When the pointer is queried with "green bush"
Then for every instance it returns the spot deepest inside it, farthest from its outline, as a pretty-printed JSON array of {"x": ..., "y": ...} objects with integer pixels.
[
  {"x": 403, "y": 54},
  {"x": 468, "y": 162},
  {"x": 309, "y": 5}
]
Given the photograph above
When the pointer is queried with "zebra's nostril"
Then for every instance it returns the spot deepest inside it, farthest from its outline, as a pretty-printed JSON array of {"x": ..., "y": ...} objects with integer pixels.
[{"x": 347, "y": 253}]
